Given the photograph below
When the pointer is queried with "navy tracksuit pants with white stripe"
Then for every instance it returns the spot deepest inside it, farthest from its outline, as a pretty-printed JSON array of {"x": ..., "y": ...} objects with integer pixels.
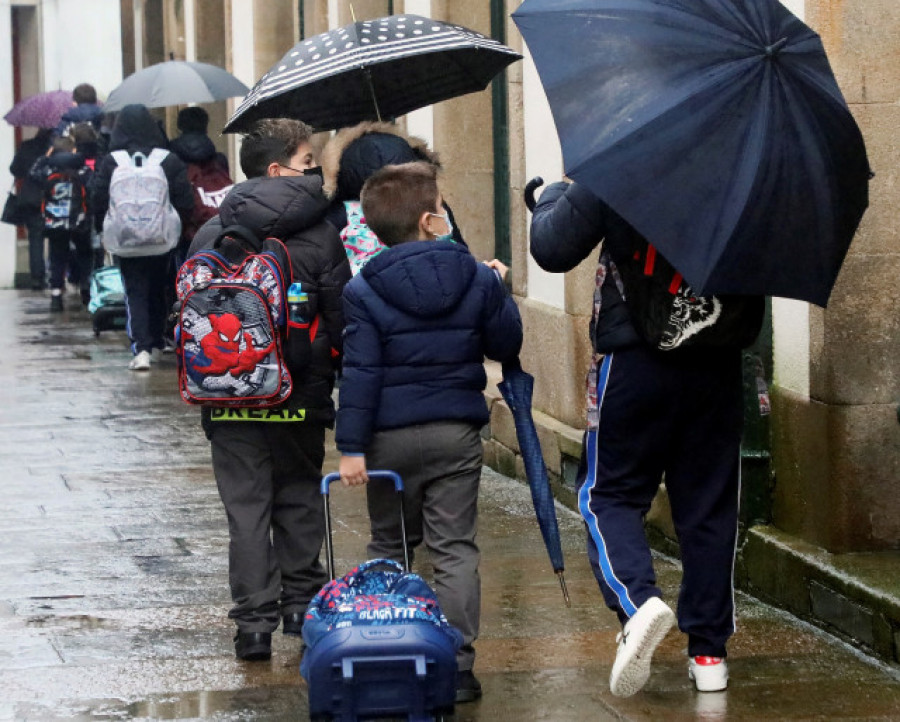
[{"x": 677, "y": 414}]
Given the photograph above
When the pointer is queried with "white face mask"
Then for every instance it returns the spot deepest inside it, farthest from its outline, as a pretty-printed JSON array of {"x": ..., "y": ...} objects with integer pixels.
[{"x": 449, "y": 234}]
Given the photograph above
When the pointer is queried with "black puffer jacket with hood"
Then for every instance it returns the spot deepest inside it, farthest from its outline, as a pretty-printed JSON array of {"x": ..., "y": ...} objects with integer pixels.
[
  {"x": 137, "y": 131},
  {"x": 194, "y": 147},
  {"x": 292, "y": 209}
]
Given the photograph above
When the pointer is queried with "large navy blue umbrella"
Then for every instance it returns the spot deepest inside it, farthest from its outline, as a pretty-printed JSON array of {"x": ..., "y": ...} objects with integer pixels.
[
  {"x": 517, "y": 388},
  {"x": 715, "y": 128}
]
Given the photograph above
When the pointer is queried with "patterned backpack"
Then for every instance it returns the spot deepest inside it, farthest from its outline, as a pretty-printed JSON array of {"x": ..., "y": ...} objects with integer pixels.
[
  {"x": 65, "y": 205},
  {"x": 379, "y": 592},
  {"x": 233, "y": 322},
  {"x": 141, "y": 220}
]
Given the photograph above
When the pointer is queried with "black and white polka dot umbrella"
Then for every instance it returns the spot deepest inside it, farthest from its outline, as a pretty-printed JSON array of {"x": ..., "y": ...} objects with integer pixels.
[{"x": 371, "y": 70}]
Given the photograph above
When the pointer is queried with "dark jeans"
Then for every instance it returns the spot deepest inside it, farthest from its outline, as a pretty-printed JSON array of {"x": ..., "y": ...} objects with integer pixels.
[
  {"x": 36, "y": 265},
  {"x": 268, "y": 476},
  {"x": 59, "y": 242},
  {"x": 145, "y": 279}
]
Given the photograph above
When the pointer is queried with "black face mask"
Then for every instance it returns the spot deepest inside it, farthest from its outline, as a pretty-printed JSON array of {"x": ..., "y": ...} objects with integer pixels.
[{"x": 315, "y": 170}]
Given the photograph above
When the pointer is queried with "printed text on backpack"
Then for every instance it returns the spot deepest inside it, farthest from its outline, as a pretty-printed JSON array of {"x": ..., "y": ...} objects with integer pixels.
[{"x": 141, "y": 220}]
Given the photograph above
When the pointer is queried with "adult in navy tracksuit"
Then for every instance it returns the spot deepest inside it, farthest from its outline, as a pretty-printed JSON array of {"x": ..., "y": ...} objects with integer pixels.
[
  {"x": 651, "y": 413},
  {"x": 421, "y": 317}
]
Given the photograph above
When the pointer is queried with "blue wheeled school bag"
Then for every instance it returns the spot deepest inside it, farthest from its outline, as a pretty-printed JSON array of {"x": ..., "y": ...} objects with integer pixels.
[
  {"x": 378, "y": 644},
  {"x": 107, "y": 303}
]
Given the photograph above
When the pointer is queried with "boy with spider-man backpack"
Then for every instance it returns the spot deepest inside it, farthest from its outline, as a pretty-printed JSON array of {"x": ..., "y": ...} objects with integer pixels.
[{"x": 268, "y": 461}]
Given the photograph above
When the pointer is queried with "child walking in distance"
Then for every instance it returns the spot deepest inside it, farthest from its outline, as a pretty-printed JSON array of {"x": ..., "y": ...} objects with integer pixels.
[
  {"x": 421, "y": 318},
  {"x": 64, "y": 177},
  {"x": 147, "y": 212}
]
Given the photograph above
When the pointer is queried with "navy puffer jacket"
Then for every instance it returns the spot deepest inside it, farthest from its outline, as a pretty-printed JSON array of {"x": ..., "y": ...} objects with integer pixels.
[
  {"x": 421, "y": 318},
  {"x": 568, "y": 223}
]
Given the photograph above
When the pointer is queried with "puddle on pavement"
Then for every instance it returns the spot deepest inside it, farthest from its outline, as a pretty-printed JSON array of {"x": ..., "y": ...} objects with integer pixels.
[
  {"x": 78, "y": 621},
  {"x": 270, "y": 704}
]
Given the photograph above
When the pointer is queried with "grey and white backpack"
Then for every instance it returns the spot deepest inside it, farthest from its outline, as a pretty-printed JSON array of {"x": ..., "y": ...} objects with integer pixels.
[{"x": 141, "y": 220}]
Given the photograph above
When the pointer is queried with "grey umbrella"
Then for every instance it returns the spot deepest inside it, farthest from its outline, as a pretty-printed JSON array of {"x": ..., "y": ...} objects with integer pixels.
[{"x": 175, "y": 82}]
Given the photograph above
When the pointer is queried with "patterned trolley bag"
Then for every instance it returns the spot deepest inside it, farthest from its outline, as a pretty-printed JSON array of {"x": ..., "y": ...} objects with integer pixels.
[
  {"x": 378, "y": 644},
  {"x": 232, "y": 322}
]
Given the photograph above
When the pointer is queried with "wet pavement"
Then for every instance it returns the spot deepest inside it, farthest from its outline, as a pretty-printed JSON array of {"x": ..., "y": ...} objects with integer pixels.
[{"x": 113, "y": 575}]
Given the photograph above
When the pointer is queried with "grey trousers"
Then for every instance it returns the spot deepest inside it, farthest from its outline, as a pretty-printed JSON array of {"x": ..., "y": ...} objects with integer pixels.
[
  {"x": 268, "y": 476},
  {"x": 440, "y": 464}
]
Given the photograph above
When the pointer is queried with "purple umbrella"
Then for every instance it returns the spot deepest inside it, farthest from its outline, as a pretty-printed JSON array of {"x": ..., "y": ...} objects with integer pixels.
[{"x": 43, "y": 110}]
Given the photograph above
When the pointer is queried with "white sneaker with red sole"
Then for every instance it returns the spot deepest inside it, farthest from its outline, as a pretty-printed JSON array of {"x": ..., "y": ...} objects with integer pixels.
[
  {"x": 710, "y": 674},
  {"x": 637, "y": 642}
]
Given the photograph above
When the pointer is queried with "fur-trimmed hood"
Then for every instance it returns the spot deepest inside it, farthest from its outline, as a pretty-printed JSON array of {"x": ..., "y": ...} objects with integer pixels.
[{"x": 354, "y": 153}]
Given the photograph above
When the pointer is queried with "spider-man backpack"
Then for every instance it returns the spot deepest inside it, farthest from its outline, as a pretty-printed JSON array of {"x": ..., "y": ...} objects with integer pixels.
[{"x": 233, "y": 322}]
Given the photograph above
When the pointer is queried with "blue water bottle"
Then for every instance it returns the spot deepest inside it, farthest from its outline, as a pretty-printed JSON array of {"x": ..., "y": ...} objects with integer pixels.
[{"x": 298, "y": 304}]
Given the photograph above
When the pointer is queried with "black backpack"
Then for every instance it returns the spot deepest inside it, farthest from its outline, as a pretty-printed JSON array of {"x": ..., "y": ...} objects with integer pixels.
[{"x": 666, "y": 313}]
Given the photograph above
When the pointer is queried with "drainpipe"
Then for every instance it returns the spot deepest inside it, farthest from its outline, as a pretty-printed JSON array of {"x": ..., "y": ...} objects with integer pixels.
[
  {"x": 190, "y": 31},
  {"x": 138, "y": 8}
]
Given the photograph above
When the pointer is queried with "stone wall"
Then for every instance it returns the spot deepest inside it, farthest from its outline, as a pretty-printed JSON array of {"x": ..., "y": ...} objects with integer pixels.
[{"x": 837, "y": 453}]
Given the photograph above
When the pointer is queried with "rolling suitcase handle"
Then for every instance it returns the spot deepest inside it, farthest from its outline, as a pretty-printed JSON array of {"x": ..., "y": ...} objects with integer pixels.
[{"x": 398, "y": 486}]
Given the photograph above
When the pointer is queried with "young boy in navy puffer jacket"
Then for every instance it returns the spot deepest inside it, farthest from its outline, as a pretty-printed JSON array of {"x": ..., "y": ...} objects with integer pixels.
[{"x": 420, "y": 319}]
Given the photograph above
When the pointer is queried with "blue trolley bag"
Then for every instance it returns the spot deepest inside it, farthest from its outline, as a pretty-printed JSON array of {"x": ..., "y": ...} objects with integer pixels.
[
  {"x": 378, "y": 644},
  {"x": 107, "y": 304}
]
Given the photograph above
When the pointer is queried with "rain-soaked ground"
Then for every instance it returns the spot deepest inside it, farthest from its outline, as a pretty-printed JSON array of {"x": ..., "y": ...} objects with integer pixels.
[{"x": 113, "y": 579}]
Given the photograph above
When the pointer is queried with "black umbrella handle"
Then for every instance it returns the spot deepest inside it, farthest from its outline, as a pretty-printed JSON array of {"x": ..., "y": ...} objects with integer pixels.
[{"x": 530, "y": 188}]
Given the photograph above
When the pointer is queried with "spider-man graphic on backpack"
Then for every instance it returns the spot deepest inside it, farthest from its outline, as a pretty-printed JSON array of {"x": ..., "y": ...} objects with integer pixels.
[{"x": 223, "y": 350}]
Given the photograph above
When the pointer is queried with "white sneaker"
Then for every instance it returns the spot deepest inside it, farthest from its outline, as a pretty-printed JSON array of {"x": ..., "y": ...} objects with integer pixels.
[
  {"x": 637, "y": 642},
  {"x": 141, "y": 362},
  {"x": 710, "y": 674}
]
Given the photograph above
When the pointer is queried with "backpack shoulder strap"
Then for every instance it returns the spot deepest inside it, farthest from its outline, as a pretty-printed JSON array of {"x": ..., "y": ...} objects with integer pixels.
[
  {"x": 157, "y": 156},
  {"x": 122, "y": 158}
]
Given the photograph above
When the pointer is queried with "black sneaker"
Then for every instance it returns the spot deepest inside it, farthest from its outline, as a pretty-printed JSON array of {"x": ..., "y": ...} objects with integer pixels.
[
  {"x": 56, "y": 303},
  {"x": 292, "y": 624},
  {"x": 468, "y": 688},
  {"x": 253, "y": 646}
]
